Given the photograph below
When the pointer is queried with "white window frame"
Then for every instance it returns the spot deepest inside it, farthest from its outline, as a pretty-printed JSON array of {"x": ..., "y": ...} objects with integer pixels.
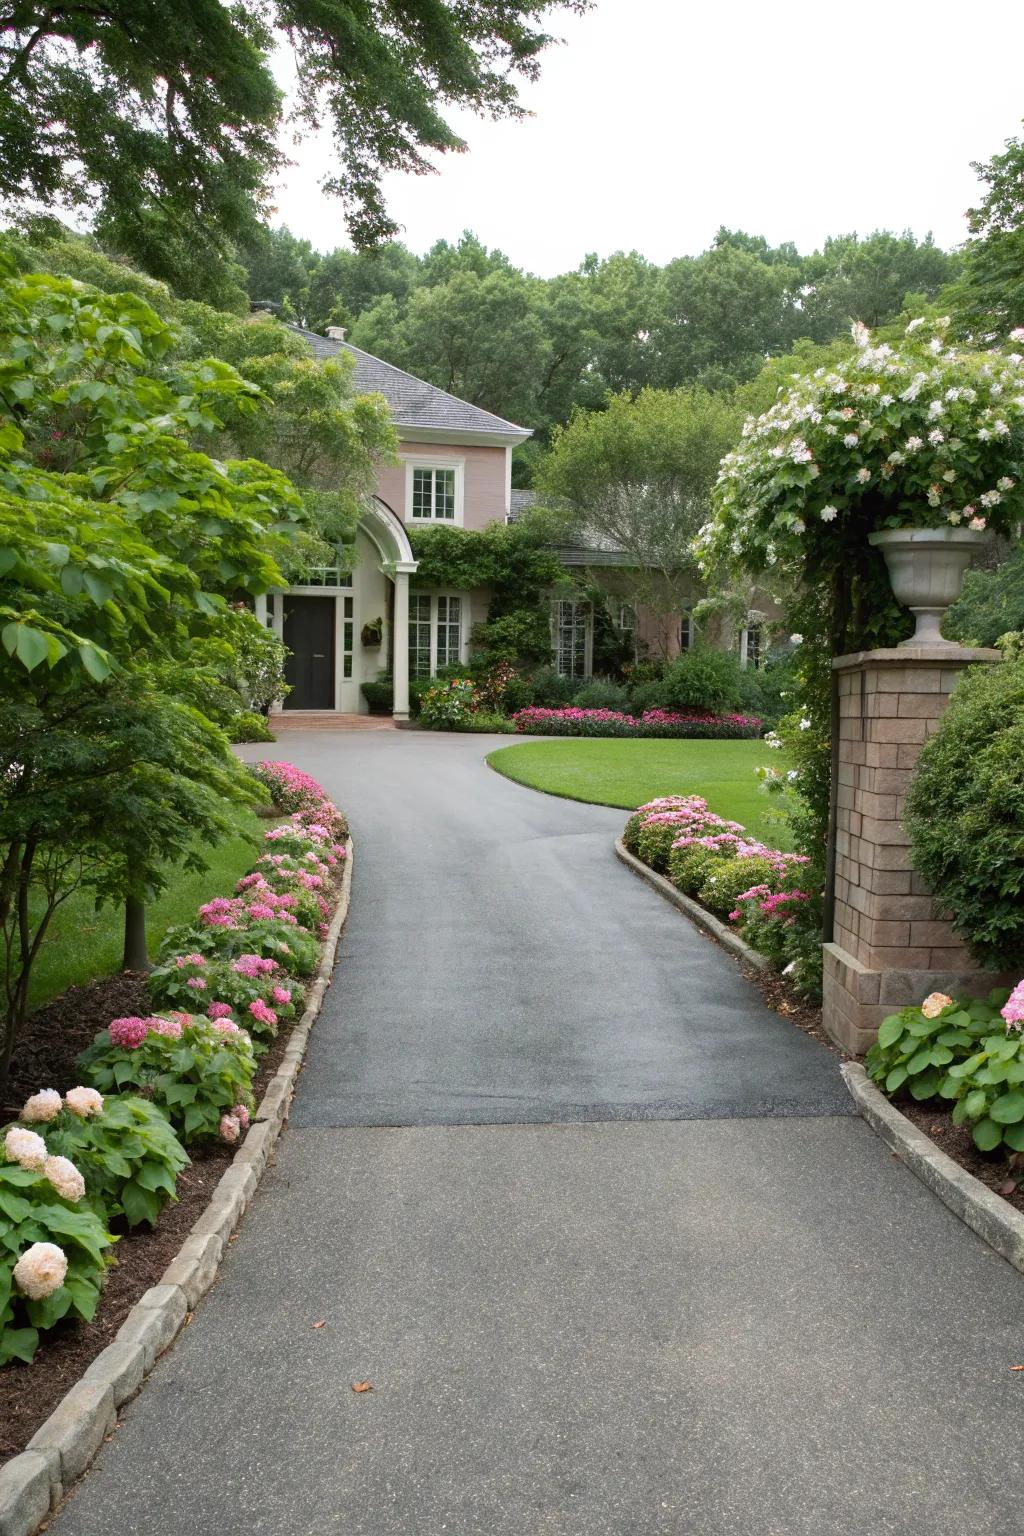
[
  {"x": 417, "y": 461},
  {"x": 688, "y": 632},
  {"x": 627, "y": 618},
  {"x": 588, "y": 634},
  {"x": 433, "y": 596},
  {"x": 745, "y": 657}
]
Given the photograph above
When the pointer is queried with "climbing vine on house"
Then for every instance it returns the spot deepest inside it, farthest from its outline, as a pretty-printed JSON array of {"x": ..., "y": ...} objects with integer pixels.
[{"x": 511, "y": 561}]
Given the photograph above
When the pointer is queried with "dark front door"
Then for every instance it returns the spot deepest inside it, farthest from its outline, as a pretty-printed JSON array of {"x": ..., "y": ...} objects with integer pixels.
[{"x": 309, "y": 636}]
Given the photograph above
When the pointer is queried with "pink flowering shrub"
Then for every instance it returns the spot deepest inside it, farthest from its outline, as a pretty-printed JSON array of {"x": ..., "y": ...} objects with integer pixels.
[
  {"x": 194, "y": 1076},
  {"x": 572, "y": 721},
  {"x": 232, "y": 988}
]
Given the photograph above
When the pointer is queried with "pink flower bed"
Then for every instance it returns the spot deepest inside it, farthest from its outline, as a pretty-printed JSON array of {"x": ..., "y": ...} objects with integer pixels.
[{"x": 653, "y": 722}]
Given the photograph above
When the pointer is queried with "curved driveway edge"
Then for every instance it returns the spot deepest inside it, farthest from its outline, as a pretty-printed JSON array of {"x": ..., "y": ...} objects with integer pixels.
[
  {"x": 977, "y": 1206},
  {"x": 34, "y": 1482},
  {"x": 693, "y": 910}
]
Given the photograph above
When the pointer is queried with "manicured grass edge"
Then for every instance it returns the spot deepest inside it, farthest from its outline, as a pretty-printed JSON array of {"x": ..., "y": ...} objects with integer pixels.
[
  {"x": 694, "y": 911},
  {"x": 996, "y": 1222},
  {"x": 33, "y": 1483},
  {"x": 553, "y": 794}
]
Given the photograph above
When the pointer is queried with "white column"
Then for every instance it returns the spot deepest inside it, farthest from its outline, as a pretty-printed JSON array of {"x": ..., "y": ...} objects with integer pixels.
[
  {"x": 260, "y": 602},
  {"x": 400, "y": 665}
]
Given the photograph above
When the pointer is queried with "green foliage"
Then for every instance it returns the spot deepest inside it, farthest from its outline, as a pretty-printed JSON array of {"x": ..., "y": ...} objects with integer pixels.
[
  {"x": 169, "y": 988},
  {"x": 380, "y": 695},
  {"x": 704, "y": 680},
  {"x": 725, "y": 882},
  {"x": 194, "y": 1078},
  {"x": 128, "y": 1155},
  {"x": 174, "y": 130},
  {"x": 602, "y": 693},
  {"x": 965, "y": 811},
  {"x": 248, "y": 726},
  {"x": 989, "y": 298},
  {"x": 295, "y": 950},
  {"x": 637, "y": 477},
  {"x": 448, "y": 704},
  {"x": 991, "y": 603},
  {"x": 31, "y": 1212},
  {"x": 965, "y": 1055},
  {"x": 521, "y": 637}
]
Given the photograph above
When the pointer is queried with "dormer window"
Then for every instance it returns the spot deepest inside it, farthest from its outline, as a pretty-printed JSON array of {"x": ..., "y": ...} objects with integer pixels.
[{"x": 433, "y": 492}]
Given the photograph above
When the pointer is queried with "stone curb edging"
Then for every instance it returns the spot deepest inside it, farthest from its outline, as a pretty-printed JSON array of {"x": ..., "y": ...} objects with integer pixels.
[
  {"x": 34, "y": 1482},
  {"x": 996, "y": 1222},
  {"x": 693, "y": 910}
]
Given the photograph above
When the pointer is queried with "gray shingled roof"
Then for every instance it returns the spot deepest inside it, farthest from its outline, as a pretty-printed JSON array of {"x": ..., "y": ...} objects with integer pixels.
[
  {"x": 413, "y": 402},
  {"x": 519, "y": 502}
]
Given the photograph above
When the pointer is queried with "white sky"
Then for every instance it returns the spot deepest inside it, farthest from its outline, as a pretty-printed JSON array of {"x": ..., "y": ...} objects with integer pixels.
[{"x": 659, "y": 120}]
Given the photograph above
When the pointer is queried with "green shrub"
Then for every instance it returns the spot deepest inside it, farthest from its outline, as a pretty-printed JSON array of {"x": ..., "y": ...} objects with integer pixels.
[
  {"x": 522, "y": 636},
  {"x": 602, "y": 693},
  {"x": 247, "y": 725},
  {"x": 31, "y": 1212},
  {"x": 295, "y": 950},
  {"x": 195, "y": 1071},
  {"x": 128, "y": 1155},
  {"x": 725, "y": 881},
  {"x": 703, "y": 680},
  {"x": 991, "y": 603},
  {"x": 965, "y": 811},
  {"x": 963, "y": 1052},
  {"x": 260, "y": 981},
  {"x": 379, "y": 695},
  {"x": 550, "y": 690},
  {"x": 689, "y": 867},
  {"x": 448, "y": 704},
  {"x": 483, "y": 722}
]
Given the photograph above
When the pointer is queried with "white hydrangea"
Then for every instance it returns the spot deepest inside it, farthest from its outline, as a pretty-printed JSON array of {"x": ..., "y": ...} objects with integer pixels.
[
  {"x": 45, "y": 1105},
  {"x": 64, "y": 1177},
  {"x": 828, "y": 514},
  {"x": 84, "y": 1102},
  {"x": 25, "y": 1147},
  {"x": 40, "y": 1271}
]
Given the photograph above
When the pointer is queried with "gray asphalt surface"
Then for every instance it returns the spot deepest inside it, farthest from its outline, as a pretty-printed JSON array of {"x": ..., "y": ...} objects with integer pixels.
[{"x": 743, "y": 1316}]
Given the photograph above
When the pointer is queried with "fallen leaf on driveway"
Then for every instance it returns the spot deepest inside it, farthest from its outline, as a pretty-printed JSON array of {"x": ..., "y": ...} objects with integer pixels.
[
  {"x": 1017, "y": 1367},
  {"x": 362, "y": 1386},
  {"x": 321, "y": 1323}
]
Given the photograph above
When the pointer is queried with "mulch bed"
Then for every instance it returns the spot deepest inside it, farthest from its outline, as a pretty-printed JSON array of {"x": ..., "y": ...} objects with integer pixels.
[{"x": 45, "y": 1058}]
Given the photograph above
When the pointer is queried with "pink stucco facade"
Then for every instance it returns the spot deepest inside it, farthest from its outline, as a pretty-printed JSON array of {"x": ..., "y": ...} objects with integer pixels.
[{"x": 482, "y": 486}]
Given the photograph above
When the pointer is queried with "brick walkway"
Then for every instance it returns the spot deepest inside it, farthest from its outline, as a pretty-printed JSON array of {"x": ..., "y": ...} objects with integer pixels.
[{"x": 329, "y": 720}]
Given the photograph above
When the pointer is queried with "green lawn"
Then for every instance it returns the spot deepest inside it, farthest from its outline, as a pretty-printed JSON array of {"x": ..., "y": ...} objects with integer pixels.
[
  {"x": 82, "y": 944},
  {"x": 629, "y": 773}
]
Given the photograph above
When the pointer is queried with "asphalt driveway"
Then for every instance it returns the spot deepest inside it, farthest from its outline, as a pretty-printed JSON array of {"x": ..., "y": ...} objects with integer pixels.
[{"x": 601, "y": 1231}]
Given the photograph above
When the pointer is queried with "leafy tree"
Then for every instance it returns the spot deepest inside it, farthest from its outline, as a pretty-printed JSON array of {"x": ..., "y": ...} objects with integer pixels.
[
  {"x": 169, "y": 125},
  {"x": 119, "y": 543},
  {"x": 868, "y": 280},
  {"x": 991, "y": 603},
  {"x": 724, "y": 313},
  {"x": 989, "y": 299},
  {"x": 637, "y": 478}
]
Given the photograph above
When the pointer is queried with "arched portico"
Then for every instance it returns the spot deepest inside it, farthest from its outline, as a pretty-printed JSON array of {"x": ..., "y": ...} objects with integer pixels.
[{"x": 327, "y": 612}]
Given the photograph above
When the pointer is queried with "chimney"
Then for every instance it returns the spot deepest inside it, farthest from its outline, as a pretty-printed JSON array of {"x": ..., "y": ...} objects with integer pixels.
[{"x": 336, "y": 332}]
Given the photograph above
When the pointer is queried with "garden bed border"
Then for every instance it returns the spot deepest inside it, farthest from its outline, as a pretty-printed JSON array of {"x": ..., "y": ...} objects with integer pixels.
[
  {"x": 985, "y": 1212},
  {"x": 34, "y": 1482},
  {"x": 694, "y": 911}
]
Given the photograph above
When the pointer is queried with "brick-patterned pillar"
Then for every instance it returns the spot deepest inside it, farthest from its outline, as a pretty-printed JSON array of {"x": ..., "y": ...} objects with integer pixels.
[{"x": 892, "y": 943}]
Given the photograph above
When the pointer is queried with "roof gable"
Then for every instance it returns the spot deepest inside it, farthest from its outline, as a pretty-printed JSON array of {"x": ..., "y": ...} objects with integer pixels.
[{"x": 413, "y": 402}]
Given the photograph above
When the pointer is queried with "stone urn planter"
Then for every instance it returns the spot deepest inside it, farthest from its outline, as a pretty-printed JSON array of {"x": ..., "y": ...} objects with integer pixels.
[{"x": 927, "y": 567}]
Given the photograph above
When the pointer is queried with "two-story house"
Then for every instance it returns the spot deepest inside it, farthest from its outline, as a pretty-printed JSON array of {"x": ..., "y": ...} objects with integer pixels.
[{"x": 345, "y": 626}]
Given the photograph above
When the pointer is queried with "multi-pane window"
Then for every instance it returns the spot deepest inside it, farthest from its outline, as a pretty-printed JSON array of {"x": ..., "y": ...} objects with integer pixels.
[
  {"x": 627, "y": 618},
  {"x": 419, "y": 635},
  {"x": 449, "y": 630},
  {"x": 571, "y": 621},
  {"x": 687, "y": 632},
  {"x": 435, "y": 632},
  {"x": 433, "y": 494},
  {"x": 754, "y": 650}
]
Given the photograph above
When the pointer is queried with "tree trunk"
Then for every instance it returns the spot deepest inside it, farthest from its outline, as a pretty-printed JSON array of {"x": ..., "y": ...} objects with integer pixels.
[{"x": 136, "y": 955}]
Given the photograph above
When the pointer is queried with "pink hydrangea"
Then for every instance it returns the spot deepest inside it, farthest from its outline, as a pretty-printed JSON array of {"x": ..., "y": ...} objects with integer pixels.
[
  {"x": 1013, "y": 1009},
  {"x": 197, "y": 983},
  {"x": 241, "y": 1114},
  {"x": 230, "y": 1129},
  {"x": 260, "y": 911},
  {"x": 194, "y": 959},
  {"x": 219, "y": 1011},
  {"x": 261, "y": 1013},
  {"x": 221, "y": 912},
  {"x": 254, "y": 965},
  {"x": 128, "y": 1033},
  {"x": 281, "y": 995},
  {"x": 170, "y": 1028}
]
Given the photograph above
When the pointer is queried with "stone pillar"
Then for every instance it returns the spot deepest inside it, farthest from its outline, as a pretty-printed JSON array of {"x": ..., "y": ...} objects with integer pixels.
[
  {"x": 892, "y": 943},
  {"x": 400, "y": 632}
]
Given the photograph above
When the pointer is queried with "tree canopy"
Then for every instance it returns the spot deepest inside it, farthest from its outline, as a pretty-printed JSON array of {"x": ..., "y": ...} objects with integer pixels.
[{"x": 165, "y": 123}]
